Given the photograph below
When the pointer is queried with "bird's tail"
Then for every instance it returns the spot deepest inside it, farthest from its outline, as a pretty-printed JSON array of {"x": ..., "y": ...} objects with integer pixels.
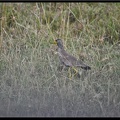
[
  {"x": 86, "y": 67},
  {"x": 83, "y": 66}
]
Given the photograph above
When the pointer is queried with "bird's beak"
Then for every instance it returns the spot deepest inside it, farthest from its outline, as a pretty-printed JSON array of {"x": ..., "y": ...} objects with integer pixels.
[{"x": 53, "y": 42}]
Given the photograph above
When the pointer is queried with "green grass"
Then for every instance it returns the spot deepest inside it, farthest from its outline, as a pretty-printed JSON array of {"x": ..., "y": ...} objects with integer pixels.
[{"x": 30, "y": 82}]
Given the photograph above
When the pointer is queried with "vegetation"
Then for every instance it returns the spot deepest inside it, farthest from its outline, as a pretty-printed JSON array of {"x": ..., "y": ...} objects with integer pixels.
[{"x": 31, "y": 83}]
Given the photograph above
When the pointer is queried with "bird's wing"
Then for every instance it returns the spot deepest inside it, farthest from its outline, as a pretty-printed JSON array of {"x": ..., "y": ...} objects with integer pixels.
[
  {"x": 67, "y": 59},
  {"x": 70, "y": 60}
]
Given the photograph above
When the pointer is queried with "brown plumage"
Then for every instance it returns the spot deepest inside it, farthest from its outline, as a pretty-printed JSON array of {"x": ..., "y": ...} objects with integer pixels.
[{"x": 67, "y": 59}]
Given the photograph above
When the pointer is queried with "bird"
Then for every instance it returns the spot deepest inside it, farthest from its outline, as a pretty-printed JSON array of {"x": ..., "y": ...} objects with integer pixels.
[{"x": 68, "y": 60}]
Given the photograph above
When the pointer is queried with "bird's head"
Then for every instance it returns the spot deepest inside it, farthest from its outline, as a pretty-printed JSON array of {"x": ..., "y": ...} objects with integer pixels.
[{"x": 59, "y": 43}]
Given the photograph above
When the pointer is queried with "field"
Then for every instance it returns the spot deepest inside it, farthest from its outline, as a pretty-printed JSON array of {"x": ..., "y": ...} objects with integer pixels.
[{"x": 31, "y": 83}]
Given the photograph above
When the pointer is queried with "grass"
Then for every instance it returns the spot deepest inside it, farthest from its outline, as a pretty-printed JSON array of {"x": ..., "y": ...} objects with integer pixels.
[{"x": 30, "y": 82}]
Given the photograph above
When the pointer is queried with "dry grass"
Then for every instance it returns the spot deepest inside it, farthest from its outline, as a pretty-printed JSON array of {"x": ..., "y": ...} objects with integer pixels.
[{"x": 30, "y": 82}]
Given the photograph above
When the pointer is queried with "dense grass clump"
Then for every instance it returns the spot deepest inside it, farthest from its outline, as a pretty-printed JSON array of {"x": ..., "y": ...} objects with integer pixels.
[{"x": 31, "y": 83}]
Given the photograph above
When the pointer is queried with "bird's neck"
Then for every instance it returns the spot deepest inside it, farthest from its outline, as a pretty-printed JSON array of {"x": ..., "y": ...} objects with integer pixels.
[{"x": 60, "y": 46}]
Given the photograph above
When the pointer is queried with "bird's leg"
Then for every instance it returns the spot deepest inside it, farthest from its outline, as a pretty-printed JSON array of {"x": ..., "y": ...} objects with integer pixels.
[
  {"x": 69, "y": 72},
  {"x": 76, "y": 71}
]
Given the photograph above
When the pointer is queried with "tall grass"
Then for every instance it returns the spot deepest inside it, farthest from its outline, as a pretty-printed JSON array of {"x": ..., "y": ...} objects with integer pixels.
[{"x": 30, "y": 82}]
